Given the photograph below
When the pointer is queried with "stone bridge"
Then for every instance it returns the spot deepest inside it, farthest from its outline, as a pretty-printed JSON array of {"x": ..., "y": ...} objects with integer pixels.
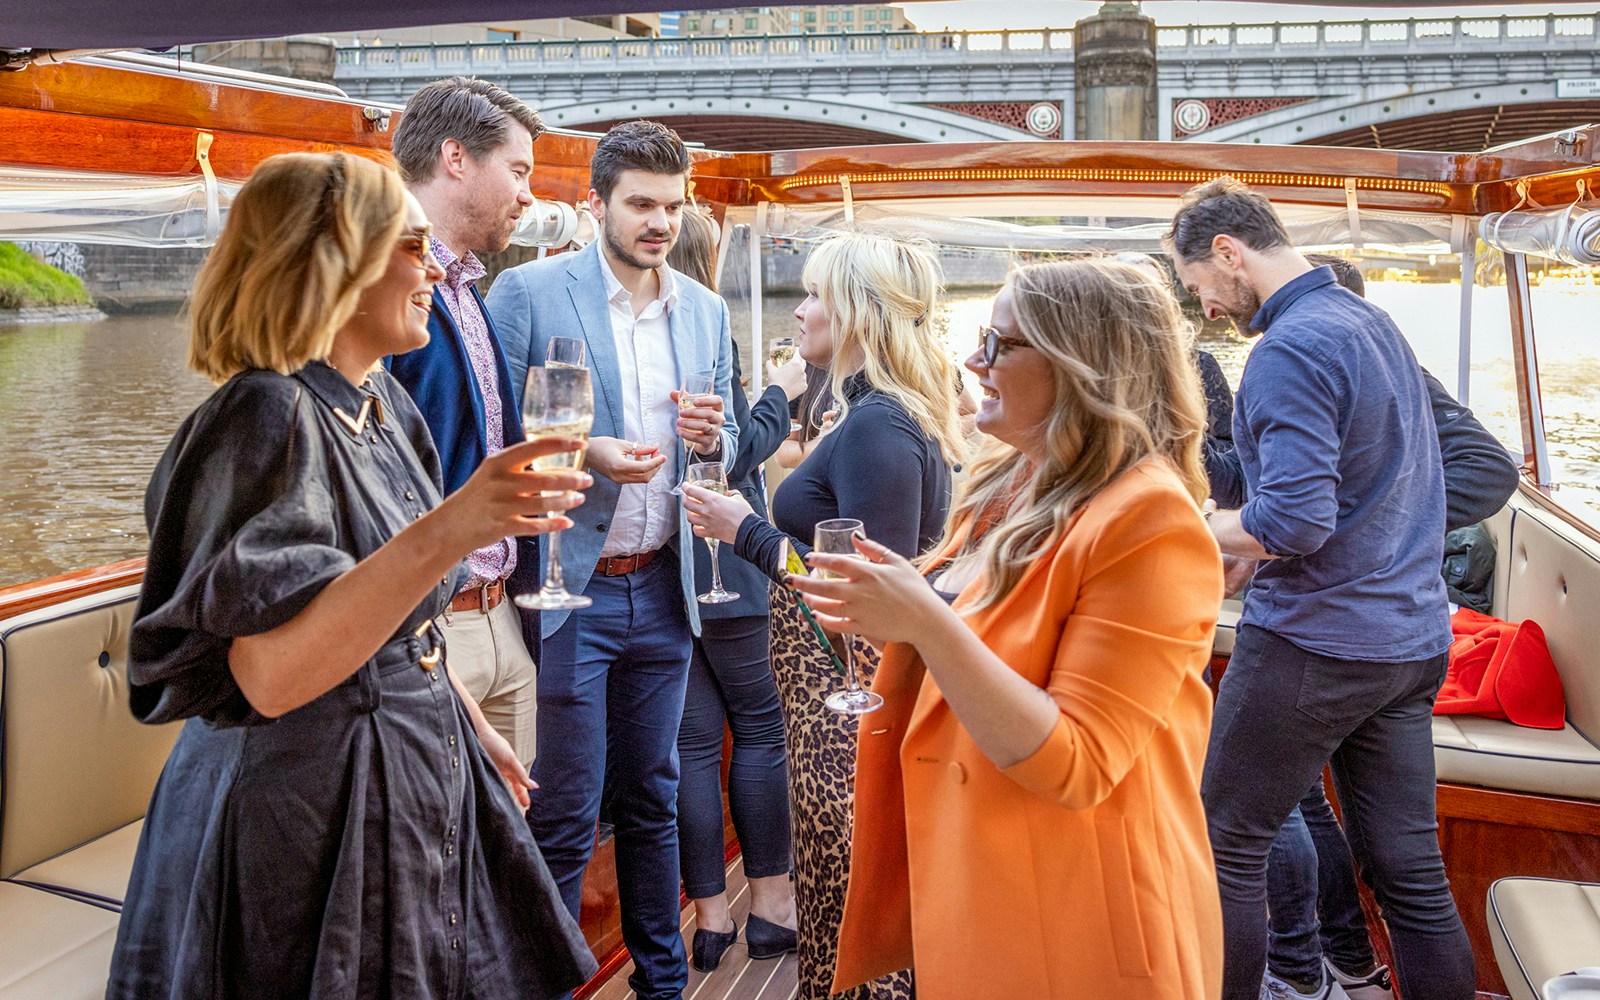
[{"x": 1463, "y": 83}]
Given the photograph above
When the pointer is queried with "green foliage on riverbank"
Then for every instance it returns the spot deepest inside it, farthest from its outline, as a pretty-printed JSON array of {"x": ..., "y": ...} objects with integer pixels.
[{"x": 26, "y": 281}]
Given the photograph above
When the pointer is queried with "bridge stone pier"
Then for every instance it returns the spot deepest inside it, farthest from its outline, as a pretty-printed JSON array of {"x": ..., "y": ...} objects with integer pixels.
[{"x": 1461, "y": 83}]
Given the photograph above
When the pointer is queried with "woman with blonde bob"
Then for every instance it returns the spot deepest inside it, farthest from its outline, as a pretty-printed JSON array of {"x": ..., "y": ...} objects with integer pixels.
[
  {"x": 1028, "y": 818},
  {"x": 885, "y": 461},
  {"x": 335, "y": 817}
]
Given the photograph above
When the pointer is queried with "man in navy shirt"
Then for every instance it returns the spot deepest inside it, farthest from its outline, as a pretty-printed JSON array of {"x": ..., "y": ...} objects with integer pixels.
[{"x": 1343, "y": 641}]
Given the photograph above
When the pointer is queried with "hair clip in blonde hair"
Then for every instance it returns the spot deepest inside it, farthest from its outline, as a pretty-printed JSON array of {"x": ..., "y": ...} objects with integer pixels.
[{"x": 922, "y": 317}]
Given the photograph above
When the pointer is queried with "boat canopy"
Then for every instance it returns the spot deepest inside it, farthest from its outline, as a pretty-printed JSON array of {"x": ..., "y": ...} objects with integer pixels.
[
  {"x": 179, "y": 211},
  {"x": 1109, "y": 224},
  {"x": 1570, "y": 235}
]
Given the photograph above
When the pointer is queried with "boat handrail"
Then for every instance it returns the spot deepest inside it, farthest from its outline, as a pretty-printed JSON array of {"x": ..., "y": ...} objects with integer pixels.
[
  {"x": 59, "y": 589},
  {"x": 167, "y": 66}
]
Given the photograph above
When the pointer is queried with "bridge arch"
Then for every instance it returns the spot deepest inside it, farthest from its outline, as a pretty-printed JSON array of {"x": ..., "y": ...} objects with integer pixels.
[
  {"x": 856, "y": 118},
  {"x": 1440, "y": 118}
]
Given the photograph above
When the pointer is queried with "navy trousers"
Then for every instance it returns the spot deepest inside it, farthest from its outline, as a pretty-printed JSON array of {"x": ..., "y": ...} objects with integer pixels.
[
  {"x": 1312, "y": 896},
  {"x": 730, "y": 682},
  {"x": 1282, "y": 714},
  {"x": 611, "y": 684}
]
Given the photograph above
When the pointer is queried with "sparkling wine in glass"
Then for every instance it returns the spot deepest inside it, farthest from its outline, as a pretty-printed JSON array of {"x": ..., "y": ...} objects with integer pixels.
[
  {"x": 558, "y": 402},
  {"x": 836, "y": 537},
  {"x": 781, "y": 351},
  {"x": 710, "y": 476},
  {"x": 564, "y": 352},
  {"x": 694, "y": 386}
]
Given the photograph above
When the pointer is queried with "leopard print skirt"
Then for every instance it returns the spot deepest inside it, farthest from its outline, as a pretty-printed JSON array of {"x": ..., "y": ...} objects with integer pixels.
[{"x": 822, "y": 759}]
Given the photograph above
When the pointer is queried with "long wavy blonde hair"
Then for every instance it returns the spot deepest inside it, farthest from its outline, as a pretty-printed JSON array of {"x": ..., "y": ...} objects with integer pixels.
[
  {"x": 1126, "y": 390},
  {"x": 306, "y": 234},
  {"x": 880, "y": 292}
]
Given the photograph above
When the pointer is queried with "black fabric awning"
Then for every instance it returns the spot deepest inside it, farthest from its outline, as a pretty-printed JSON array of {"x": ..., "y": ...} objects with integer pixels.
[
  {"x": 103, "y": 24},
  {"x": 157, "y": 24}
]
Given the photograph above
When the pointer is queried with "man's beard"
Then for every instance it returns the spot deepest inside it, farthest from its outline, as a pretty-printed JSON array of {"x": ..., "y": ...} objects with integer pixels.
[
  {"x": 1243, "y": 306},
  {"x": 624, "y": 253}
]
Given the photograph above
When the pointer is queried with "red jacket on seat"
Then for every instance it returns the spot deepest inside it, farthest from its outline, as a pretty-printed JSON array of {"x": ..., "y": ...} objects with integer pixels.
[{"x": 1501, "y": 670}]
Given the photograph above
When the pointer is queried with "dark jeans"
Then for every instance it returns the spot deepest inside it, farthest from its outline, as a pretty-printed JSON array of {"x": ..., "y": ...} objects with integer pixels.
[
  {"x": 1283, "y": 713},
  {"x": 1311, "y": 879},
  {"x": 730, "y": 681},
  {"x": 611, "y": 684}
]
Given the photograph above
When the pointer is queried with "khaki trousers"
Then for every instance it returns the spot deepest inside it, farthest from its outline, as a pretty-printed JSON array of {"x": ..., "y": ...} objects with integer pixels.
[{"x": 487, "y": 653}]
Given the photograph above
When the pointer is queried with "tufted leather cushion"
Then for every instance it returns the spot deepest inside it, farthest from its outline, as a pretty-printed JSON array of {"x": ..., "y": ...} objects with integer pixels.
[
  {"x": 1542, "y": 928},
  {"x": 74, "y": 765},
  {"x": 52, "y": 948}
]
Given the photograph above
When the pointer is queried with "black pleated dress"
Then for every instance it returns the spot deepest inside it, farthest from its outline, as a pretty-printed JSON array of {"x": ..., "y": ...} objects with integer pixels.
[{"x": 363, "y": 845}]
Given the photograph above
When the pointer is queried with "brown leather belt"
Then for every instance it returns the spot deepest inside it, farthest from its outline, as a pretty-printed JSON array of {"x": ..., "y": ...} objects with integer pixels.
[
  {"x": 481, "y": 599},
  {"x": 620, "y": 565}
]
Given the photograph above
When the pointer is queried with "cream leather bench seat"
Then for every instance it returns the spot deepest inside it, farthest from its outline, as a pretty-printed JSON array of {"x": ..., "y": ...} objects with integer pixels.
[
  {"x": 1227, "y": 626},
  {"x": 1552, "y": 577},
  {"x": 1542, "y": 928},
  {"x": 76, "y": 773}
]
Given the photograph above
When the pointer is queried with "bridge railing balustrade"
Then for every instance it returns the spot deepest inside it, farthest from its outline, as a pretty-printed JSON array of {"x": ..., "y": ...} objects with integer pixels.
[
  {"x": 1420, "y": 31},
  {"x": 1302, "y": 40}
]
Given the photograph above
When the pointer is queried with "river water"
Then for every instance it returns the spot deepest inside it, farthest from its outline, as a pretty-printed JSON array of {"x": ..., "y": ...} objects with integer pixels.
[{"x": 87, "y": 408}]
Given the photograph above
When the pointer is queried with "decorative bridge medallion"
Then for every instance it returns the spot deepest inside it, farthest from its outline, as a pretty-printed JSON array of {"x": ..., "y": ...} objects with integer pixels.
[{"x": 1044, "y": 120}]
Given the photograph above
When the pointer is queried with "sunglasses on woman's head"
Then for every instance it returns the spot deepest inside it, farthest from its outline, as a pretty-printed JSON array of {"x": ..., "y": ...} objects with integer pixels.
[{"x": 990, "y": 341}]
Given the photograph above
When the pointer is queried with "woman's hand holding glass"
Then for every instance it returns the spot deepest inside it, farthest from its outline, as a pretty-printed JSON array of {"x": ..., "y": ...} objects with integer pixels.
[
  {"x": 715, "y": 515},
  {"x": 790, "y": 376},
  {"x": 505, "y": 497},
  {"x": 711, "y": 477},
  {"x": 878, "y": 595},
  {"x": 842, "y": 538}
]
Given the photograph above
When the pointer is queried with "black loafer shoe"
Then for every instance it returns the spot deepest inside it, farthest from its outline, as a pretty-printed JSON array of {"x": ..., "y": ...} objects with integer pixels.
[
  {"x": 709, "y": 946},
  {"x": 768, "y": 940}
]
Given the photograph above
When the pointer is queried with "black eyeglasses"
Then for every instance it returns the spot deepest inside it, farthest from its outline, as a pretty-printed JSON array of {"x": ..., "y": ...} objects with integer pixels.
[
  {"x": 991, "y": 340},
  {"x": 418, "y": 243}
]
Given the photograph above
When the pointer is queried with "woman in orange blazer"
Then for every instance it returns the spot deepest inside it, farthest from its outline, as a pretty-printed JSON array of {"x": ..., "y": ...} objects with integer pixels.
[{"x": 1028, "y": 818}]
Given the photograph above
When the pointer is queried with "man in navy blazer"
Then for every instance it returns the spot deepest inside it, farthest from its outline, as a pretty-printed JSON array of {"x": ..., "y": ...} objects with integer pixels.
[
  {"x": 612, "y": 676},
  {"x": 465, "y": 149}
]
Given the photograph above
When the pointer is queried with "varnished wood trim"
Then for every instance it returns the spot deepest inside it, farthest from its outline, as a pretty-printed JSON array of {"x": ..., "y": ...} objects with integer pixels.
[
  {"x": 128, "y": 96},
  {"x": 59, "y": 589},
  {"x": 70, "y": 142},
  {"x": 1489, "y": 805}
]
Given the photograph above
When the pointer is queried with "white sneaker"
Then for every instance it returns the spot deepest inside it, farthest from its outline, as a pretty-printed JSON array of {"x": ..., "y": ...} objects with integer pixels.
[
  {"x": 1273, "y": 988},
  {"x": 1374, "y": 987}
]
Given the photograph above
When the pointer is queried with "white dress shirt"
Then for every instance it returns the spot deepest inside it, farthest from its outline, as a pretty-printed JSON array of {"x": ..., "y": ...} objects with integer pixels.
[{"x": 647, "y": 513}]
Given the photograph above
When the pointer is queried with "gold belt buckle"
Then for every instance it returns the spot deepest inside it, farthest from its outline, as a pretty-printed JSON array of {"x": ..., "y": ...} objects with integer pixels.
[{"x": 430, "y": 659}]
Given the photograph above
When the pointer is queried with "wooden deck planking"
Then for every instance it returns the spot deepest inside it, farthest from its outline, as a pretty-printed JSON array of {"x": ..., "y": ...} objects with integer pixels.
[{"x": 738, "y": 976}]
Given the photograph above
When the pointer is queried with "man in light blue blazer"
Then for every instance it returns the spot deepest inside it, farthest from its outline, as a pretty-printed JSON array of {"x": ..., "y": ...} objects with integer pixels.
[{"x": 612, "y": 676}]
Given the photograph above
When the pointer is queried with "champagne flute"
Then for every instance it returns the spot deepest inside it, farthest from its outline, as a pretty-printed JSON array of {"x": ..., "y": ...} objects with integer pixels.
[
  {"x": 558, "y": 402},
  {"x": 710, "y": 476},
  {"x": 694, "y": 386},
  {"x": 837, "y": 537},
  {"x": 781, "y": 351},
  {"x": 564, "y": 352}
]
